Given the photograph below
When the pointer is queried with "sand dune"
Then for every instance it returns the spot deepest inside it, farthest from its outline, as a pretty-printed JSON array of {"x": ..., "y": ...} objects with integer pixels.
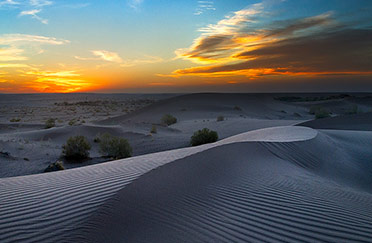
[
  {"x": 243, "y": 192},
  {"x": 241, "y": 188},
  {"x": 360, "y": 122}
]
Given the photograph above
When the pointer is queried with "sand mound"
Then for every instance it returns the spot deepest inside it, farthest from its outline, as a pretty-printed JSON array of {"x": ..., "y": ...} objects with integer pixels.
[
  {"x": 362, "y": 122},
  {"x": 239, "y": 192},
  {"x": 238, "y": 189}
]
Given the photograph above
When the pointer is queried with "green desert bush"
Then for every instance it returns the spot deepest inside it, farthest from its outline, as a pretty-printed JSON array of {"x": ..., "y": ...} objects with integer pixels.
[
  {"x": 15, "y": 120},
  {"x": 220, "y": 118},
  {"x": 56, "y": 166},
  {"x": 168, "y": 119},
  {"x": 319, "y": 112},
  {"x": 237, "y": 108},
  {"x": 322, "y": 113},
  {"x": 114, "y": 147},
  {"x": 76, "y": 147},
  {"x": 203, "y": 136},
  {"x": 153, "y": 129},
  {"x": 354, "y": 110},
  {"x": 50, "y": 123}
]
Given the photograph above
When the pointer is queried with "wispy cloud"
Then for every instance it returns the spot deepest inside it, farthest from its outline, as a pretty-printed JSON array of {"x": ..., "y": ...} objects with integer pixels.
[
  {"x": 17, "y": 47},
  {"x": 33, "y": 13},
  {"x": 204, "y": 6},
  {"x": 76, "y": 5},
  {"x": 56, "y": 81},
  {"x": 13, "y": 39},
  {"x": 240, "y": 44},
  {"x": 135, "y": 4},
  {"x": 108, "y": 56},
  {"x": 8, "y": 2},
  {"x": 40, "y": 3},
  {"x": 146, "y": 60},
  {"x": 31, "y": 8}
]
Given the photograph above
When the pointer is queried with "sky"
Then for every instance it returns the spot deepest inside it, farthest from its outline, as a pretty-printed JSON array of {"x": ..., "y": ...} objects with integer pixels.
[{"x": 151, "y": 46}]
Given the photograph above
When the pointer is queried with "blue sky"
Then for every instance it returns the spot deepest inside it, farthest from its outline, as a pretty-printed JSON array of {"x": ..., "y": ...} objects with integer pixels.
[{"x": 142, "y": 45}]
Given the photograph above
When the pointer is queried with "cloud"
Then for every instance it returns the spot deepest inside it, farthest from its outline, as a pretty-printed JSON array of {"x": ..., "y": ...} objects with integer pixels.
[
  {"x": 108, "y": 56},
  {"x": 76, "y": 5},
  {"x": 8, "y": 2},
  {"x": 219, "y": 40},
  {"x": 204, "y": 6},
  {"x": 55, "y": 81},
  {"x": 19, "y": 39},
  {"x": 11, "y": 54},
  {"x": 146, "y": 60},
  {"x": 114, "y": 57},
  {"x": 13, "y": 65},
  {"x": 247, "y": 43},
  {"x": 40, "y": 3},
  {"x": 135, "y": 4},
  {"x": 17, "y": 46},
  {"x": 34, "y": 15}
]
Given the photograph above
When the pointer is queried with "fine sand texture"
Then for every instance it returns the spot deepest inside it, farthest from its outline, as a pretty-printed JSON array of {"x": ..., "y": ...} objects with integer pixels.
[
  {"x": 274, "y": 184},
  {"x": 275, "y": 175}
]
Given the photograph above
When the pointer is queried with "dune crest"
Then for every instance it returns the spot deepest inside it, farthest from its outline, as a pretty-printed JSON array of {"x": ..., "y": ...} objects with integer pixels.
[{"x": 47, "y": 206}]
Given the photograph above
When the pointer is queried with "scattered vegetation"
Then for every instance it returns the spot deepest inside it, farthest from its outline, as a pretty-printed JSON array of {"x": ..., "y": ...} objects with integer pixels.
[
  {"x": 114, "y": 147},
  {"x": 51, "y": 122},
  {"x": 97, "y": 138},
  {"x": 76, "y": 147},
  {"x": 154, "y": 129},
  {"x": 319, "y": 112},
  {"x": 72, "y": 122},
  {"x": 168, "y": 119},
  {"x": 220, "y": 118},
  {"x": 55, "y": 167},
  {"x": 354, "y": 110},
  {"x": 310, "y": 99},
  {"x": 15, "y": 120},
  {"x": 237, "y": 108},
  {"x": 203, "y": 136}
]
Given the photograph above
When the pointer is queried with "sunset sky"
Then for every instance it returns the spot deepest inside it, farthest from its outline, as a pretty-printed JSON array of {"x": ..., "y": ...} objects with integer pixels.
[{"x": 185, "y": 45}]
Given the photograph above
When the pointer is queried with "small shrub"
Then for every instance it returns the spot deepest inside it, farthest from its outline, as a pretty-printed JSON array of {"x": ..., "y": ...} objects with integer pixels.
[
  {"x": 114, "y": 147},
  {"x": 76, "y": 148},
  {"x": 237, "y": 108},
  {"x": 203, "y": 136},
  {"x": 97, "y": 138},
  {"x": 322, "y": 113},
  {"x": 168, "y": 119},
  {"x": 15, "y": 120},
  {"x": 354, "y": 110},
  {"x": 297, "y": 114},
  {"x": 50, "y": 123},
  {"x": 154, "y": 129},
  {"x": 72, "y": 122},
  {"x": 314, "y": 109},
  {"x": 220, "y": 118},
  {"x": 55, "y": 167}
]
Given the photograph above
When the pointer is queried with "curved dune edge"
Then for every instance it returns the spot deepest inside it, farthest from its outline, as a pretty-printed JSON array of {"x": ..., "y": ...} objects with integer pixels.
[
  {"x": 239, "y": 192},
  {"x": 46, "y": 206}
]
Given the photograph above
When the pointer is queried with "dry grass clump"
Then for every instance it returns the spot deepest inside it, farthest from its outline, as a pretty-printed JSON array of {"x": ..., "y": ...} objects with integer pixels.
[{"x": 168, "y": 119}]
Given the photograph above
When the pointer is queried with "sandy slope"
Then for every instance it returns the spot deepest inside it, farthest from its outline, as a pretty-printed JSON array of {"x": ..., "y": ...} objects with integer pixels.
[
  {"x": 46, "y": 206},
  {"x": 256, "y": 191},
  {"x": 360, "y": 122},
  {"x": 275, "y": 184}
]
